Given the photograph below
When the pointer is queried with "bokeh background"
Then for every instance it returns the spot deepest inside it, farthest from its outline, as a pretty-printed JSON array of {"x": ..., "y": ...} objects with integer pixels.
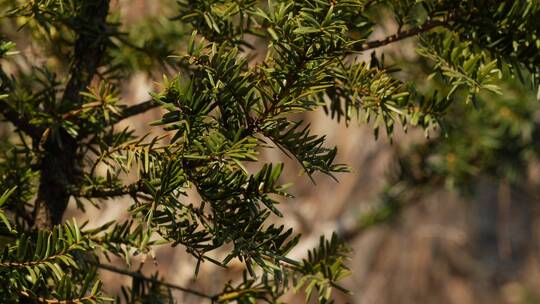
[{"x": 439, "y": 244}]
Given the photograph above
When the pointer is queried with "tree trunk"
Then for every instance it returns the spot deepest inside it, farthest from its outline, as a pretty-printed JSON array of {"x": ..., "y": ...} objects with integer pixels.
[
  {"x": 59, "y": 169},
  {"x": 60, "y": 164}
]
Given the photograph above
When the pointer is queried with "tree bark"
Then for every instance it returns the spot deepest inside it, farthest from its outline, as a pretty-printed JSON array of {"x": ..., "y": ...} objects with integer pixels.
[
  {"x": 60, "y": 164},
  {"x": 58, "y": 170}
]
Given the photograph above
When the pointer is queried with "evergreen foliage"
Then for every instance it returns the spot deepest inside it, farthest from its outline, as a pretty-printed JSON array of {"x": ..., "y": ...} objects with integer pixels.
[{"x": 239, "y": 72}]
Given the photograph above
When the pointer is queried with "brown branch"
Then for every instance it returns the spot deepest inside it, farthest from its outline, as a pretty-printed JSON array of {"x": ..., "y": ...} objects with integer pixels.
[
  {"x": 112, "y": 192},
  {"x": 140, "y": 276},
  {"x": 136, "y": 110},
  {"x": 403, "y": 34}
]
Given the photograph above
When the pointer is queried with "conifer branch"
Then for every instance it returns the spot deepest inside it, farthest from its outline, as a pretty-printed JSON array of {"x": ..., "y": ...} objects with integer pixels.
[
  {"x": 38, "y": 262},
  {"x": 229, "y": 107},
  {"x": 404, "y": 34}
]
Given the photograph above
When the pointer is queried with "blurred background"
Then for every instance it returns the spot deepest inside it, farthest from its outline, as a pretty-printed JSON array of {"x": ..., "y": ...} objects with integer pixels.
[{"x": 445, "y": 217}]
